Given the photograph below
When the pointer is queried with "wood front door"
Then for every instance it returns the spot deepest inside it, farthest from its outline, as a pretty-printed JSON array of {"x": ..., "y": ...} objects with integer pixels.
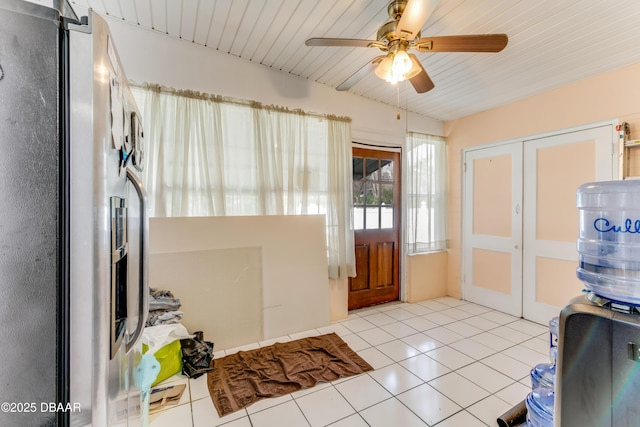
[{"x": 376, "y": 208}]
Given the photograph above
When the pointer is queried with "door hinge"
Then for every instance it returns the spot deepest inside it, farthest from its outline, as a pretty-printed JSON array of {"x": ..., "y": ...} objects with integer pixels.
[{"x": 465, "y": 166}]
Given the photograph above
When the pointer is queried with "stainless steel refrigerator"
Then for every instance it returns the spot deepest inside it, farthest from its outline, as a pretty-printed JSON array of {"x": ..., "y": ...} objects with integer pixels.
[{"x": 73, "y": 222}]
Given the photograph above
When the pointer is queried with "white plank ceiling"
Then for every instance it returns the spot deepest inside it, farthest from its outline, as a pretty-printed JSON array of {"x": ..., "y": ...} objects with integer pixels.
[{"x": 551, "y": 43}]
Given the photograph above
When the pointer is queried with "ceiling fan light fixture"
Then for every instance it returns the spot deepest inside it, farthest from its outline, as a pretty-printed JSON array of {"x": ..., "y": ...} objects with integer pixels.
[
  {"x": 415, "y": 69},
  {"x": 385, "y": 68},
  {"x": 401, "y": 62},
  {"x": 397, "y": 66}
]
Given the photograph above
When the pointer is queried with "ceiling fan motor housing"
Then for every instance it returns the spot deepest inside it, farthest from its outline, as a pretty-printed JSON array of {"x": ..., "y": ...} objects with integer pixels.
[
  {"x": 395, "y": 9},
  {"x": 387, "y": 35},
  {"x": 387, "y": 32}
]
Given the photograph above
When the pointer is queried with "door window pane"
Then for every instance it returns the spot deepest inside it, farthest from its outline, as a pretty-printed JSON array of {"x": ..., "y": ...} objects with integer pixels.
[
  {"x": 372, "y": 169},
  {"x": 386, "y": 217},
  {"x": 386, "y": 170},
  {"x": 373, "y": 220},
  {"x": 358, "y": 193},
  {"x": 372, "y": 197},
  {"x": 358, "y": 173},
  {"x": 358, "y": 218},
  {"x": 386, "y": 194}
]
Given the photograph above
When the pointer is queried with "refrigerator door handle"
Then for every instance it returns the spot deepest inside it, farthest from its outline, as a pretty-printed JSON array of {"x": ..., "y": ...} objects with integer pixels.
[{"x": 143, "y": 299}]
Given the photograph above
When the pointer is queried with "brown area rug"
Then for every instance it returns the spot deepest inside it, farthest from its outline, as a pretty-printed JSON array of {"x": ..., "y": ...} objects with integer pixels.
[{"x": 243, "y": 378}]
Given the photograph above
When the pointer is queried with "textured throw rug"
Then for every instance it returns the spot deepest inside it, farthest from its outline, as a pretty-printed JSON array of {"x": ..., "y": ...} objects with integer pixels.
[{"x": 243, "y": 378}]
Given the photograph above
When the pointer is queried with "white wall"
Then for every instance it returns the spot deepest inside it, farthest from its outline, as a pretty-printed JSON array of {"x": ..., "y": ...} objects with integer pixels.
[{"x": 151, "y": 57}]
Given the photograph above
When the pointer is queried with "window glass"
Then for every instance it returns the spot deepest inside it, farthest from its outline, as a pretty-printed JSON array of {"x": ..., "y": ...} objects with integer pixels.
[
  {"x": 358, "y": 168},
  {"x": 373, "y": 193},
  {"x": 372, "y": 218},
  {"x": 372, "y": 169}
]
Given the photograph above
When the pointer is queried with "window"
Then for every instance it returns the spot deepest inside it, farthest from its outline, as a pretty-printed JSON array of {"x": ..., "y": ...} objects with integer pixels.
[
  {"x": 208, "y": 156},
  {"x": 373, "y": 202},
  {"x": 426, "y": 193}
]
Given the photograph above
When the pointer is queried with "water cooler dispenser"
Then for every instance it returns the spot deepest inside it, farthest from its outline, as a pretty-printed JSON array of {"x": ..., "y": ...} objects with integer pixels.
[{"x": 598, "y": 366}]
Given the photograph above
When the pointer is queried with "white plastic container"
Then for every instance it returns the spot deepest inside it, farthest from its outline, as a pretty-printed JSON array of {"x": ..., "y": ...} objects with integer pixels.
[{"x": 609, "y": 241}]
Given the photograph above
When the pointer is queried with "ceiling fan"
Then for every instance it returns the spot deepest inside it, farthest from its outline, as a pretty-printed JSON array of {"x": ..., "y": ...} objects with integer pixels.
[{"x": 401, "y": 34}]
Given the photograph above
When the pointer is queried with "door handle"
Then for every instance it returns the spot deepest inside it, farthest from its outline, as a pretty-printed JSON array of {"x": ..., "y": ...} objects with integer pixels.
[{"x": 143, "y": 286}]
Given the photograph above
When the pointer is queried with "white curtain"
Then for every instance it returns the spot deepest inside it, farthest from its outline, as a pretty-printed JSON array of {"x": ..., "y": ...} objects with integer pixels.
[
  {"x": 340, "y": 221},
  {"x": 211, "y": 156},
  {"x": 426, "y": 177}
]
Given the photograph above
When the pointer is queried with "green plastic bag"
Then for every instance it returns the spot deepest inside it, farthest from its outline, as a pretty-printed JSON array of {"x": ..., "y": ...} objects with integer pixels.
[{"x": 170, "y": 358}]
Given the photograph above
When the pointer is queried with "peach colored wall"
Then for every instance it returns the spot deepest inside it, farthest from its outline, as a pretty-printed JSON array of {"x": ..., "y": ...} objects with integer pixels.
[
  {"x": 613, "y": 95},
  {"x": 426, "y": 276},
  {"x": 339, "y": 299}
]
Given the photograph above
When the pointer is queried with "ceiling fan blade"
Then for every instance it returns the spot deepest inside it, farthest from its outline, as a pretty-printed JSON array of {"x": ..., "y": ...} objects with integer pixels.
[
  {"x": 421, "y": 82},
  {"x": 358, "y": 75},
  {"x": 338, "y": 42},
  {"x": 470, "y": 43},
  {"x": 414, "y": 17}
]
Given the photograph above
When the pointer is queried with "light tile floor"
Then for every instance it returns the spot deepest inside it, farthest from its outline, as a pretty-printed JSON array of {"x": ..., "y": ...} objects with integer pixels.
[{"x": 443, "y": 362}]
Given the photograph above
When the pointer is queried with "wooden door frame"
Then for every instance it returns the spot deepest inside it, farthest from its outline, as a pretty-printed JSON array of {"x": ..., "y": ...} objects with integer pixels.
[{"x": 398, "y": 213}]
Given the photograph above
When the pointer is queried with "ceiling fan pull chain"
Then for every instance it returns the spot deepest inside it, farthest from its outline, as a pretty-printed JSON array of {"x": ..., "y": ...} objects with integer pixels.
[{"x": 398, "y": 93}]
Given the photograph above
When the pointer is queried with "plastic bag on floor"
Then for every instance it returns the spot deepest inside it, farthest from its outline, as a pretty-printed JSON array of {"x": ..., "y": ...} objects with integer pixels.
[{"x": 156, "y": 337}]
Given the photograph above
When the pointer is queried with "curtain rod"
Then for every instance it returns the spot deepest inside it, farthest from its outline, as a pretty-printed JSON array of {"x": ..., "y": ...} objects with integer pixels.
[{"x": 229, "y": 100}]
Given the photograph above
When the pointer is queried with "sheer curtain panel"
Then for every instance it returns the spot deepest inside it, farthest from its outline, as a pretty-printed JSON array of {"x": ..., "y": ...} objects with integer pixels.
[
  {"x": 212, "y": 156},
  {"x": 426, "y": 228}
]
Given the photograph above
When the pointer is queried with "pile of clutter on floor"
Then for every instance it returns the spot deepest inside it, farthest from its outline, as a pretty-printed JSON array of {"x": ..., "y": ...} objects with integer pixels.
[
  {"x": 169, "y": 349},
  {"x": 163, "y": 308}
]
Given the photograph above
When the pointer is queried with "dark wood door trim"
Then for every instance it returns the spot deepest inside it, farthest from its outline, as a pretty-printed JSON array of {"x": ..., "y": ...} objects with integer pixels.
[{"x": 377, "y": 190}]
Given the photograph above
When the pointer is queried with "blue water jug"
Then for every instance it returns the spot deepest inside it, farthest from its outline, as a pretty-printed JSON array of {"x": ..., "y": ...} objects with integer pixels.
[
  {"x": 539, "y": 405},
  {"x": 609, "y": 240}
]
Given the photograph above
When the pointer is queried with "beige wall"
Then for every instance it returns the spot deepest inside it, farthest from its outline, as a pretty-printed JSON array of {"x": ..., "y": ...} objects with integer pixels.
[
  {"x": 426, "y": 276},
  {"x": 243, "y": 279},
  {"x": 614, "y": 95}
]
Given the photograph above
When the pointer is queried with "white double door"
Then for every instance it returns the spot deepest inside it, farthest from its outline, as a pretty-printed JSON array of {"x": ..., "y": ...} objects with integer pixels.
[{"x": 520, "y": 221}]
